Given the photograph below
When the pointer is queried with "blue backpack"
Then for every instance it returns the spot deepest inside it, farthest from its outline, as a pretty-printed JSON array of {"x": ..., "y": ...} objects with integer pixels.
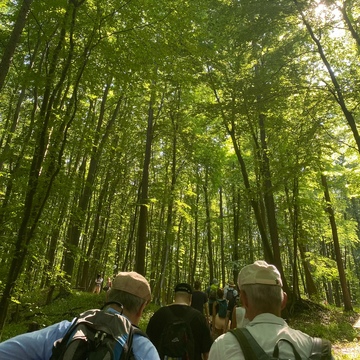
[{"x": 97, "y": 334}]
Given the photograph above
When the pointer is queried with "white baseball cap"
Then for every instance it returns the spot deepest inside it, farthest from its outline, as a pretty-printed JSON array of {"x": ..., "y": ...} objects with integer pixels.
[{"x": 260, "y": 272}]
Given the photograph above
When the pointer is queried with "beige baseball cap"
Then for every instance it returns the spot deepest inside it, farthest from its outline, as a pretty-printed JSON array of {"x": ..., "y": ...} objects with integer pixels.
[
  {"x": 132, "y": 283},
  {"x": 260, "y": 272}
]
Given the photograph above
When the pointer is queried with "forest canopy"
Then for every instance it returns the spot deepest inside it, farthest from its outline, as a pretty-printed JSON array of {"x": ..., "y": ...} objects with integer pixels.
[{"x": 181, "y": 139}]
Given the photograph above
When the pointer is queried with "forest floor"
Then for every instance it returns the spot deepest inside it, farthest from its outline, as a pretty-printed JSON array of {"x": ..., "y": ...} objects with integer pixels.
[{"x": 349, "y": 350}]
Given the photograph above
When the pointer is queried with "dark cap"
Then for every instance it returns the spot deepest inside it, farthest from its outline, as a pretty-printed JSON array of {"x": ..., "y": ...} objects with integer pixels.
[{"x": 183, "y": 287}]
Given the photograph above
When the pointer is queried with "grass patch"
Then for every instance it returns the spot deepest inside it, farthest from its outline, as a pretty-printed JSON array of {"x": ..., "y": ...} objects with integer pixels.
[{"x": 324, "y": 321}]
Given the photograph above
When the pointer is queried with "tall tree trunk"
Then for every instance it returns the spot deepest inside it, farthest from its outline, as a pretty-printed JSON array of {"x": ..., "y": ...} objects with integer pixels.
[
  {"x": 196, "y": 231},
  {"x": 78, "y": 215},
  {"x": 339, "y": 262},
  {"x": 347, "y": 18},
  {"x": 144, "y": 201},
  {"x": 222, "y": 241},
  {"x": 13, "y": 40},
  {"x": 268, "y": 254},
  {"x": 337, "y": 91},
  {"x": 311, "y": 288},
  {"x": 270, "y": 204},
  {"x": 169, "y": 232},
  {"x": 208, "y": 227}
]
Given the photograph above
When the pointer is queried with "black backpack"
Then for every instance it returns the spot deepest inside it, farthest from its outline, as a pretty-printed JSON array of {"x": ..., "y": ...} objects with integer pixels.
[
  {"x": 230, "y": 295},
  {"x": 177, "y": 340},
  {"x": 97, "y": 335},
  {"x": 321, "y": 349}
]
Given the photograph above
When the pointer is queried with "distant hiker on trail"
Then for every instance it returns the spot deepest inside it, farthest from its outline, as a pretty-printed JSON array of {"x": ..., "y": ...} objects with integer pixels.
[
  {"x": 179, "y": 321},
  {"x": 219, "y": 314},
  {"x": 211, "y": 292},
  {"x": 108, "y": 284},
  {"x": 98, "y": 282},
  {"x": 199, "y": 300},
  {"x": 232, "y": 297},
  {"x": 126, "y": 301},
  {"x": 267, "y": 334}
]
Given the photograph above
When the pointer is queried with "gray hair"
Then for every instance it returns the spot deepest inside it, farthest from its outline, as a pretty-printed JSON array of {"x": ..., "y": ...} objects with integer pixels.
[
  {"x": 265, "y": 298},
  {"x": 130, "y": 302}
]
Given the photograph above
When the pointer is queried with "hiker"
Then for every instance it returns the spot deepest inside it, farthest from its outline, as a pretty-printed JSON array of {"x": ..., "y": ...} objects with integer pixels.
[
  {"x": 98, "y": 282},
  {"x": 199, "y": 300},
  {"x": 232, "y": 297},
  {"x": 108, "y": 284},
  {"x": 219, "y": 314},
  {"x": 211, "y": 292},
  {"x": 230, "y": 290},
  {"x": 180, "y": 321},
  {"x": 127, "y": 298},
  {"x": 262, "y": 296}
]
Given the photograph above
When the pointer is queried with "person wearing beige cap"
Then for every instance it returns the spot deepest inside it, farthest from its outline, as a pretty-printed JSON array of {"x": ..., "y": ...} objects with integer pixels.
[
  {"x": 128, "y": 296},
  {"x": 262, "y": 296}
]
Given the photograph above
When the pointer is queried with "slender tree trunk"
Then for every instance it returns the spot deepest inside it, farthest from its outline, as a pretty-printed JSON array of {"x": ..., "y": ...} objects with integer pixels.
[
  {"x": 144, "y": 201},
  {"x": 196, "y": 231},
  {"x": 13, "y": 40},
  {"x": 169, "y": 235},
  {"x": 270, "y": 204},
  {"x": 347, "y": 18},
  {"x": 337, "y": 92},
  {"x": 208, "y": 227},
  {"x": 311, "y": 288},
  {"x": 79, "y": 215},
  {"x": 236, "y": 224},
  {"x": 222, "y": 240},
  {"x": 339, "y": 261}
]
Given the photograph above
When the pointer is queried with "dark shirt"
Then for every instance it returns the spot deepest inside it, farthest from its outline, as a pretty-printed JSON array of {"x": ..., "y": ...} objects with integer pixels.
[
  {"x": 199, "y": 327},
  {"x": 199, "y": 298}
]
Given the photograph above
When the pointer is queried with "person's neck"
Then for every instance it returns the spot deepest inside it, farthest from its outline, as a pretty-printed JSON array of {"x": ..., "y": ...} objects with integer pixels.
[{"x": 180, "y": 303}]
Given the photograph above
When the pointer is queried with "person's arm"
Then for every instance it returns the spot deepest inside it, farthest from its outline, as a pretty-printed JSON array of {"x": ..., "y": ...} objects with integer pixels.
[
  {"x": 227, "y": 318},
  {"x": 233, "y": 319},
  {"x": 36, "y": 345},
  {"x": 205, "y": 356},
  {"x": 213, "y": 316},
  {"x": 206, "y": 310},
  {"x": 144, "y": 349}
]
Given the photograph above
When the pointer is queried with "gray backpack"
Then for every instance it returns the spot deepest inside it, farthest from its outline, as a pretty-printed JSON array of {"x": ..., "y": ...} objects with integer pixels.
[{"x": 97, "y": 335}]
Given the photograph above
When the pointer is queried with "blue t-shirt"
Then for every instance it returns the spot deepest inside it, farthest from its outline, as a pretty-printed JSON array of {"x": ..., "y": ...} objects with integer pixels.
[{"x": 37, "y": 345}]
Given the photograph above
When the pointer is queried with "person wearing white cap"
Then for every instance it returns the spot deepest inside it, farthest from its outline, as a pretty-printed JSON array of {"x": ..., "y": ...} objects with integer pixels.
[
  {"x": 262, "y": 297},
  {"x": 128, "y": 296}
]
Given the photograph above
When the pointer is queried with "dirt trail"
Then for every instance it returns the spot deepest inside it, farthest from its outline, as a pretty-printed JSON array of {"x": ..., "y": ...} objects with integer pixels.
[{"x": 346, "y": 350}]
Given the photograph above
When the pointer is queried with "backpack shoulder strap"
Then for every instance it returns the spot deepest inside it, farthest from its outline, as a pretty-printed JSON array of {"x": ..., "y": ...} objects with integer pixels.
[
  {"x": 129, "y": 354},
  {"x": 276, "y": 349},
  {"x": 251, "y": 349},
  {"x": 321, "y": 349}
]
